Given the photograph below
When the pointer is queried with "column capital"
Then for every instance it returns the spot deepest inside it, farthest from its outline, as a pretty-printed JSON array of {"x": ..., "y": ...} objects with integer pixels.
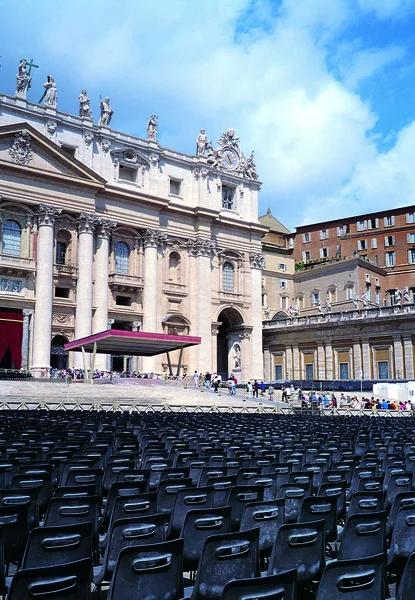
[
  {"x": 257, "y": 260},
  {"x": 27, "y": 312},
  {"x": 201, "y": 247},
  {"x": 47, "y": 214},
  {"x": 86, "y": 222},
  {"x": 153, "y": 238},
  {"x": 105, "y": 227}
]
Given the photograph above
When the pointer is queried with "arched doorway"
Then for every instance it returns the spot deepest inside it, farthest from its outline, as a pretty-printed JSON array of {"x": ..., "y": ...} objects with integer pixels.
[
  {"x": 58, "y": 356},
  {"x": 229, "y": 349}
]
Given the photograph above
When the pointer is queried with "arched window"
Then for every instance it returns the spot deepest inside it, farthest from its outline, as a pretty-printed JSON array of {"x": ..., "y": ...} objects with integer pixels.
[
  {"x": 122, "y": 253},
  {"x": 228, "y": 277},
  {"x": 174, "y": 266},
  {"x": 11, "y": 238}
]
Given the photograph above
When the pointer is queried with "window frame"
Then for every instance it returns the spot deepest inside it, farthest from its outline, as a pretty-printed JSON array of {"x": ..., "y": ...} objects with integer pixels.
[
  {"x": 9, "y": 245},
  {"x": 123, "y": 260}
]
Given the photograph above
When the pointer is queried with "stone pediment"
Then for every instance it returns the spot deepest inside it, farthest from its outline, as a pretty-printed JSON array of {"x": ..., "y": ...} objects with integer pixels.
[
  {"x": 22, "y": 146},
  {"x": 129, "y": 156}
]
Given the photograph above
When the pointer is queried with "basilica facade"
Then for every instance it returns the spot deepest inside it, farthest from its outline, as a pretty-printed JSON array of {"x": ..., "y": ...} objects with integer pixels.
[{"x": 100, "y": 229}]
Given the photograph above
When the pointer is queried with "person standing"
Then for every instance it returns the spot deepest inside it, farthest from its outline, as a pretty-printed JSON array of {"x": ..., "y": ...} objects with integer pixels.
[
  {"x": 256, "y": 387},
  {"x": 249, "y": 388},
  {"x": 196, "y": 379}
]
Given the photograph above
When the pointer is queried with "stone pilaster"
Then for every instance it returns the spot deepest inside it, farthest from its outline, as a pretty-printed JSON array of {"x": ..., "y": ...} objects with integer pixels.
[
  {"x": 357, "y": 360},
  {"x": 83, "y": 319},
  {"x": 152, "y": 239},
  {"x": 42, "y": 333},
  {"x": 329, "y": 360},
  {"x": 267, "y": 365},
  {"x": 101, "y": 263},
  {"x": 27, "y": 314},
  {"x": 296, "y": 363},
  {"x": 257, "y": 262},
  {"x": 321, "y": 360},
  {"x": 366, "y": 360},
  {"x": 398, "y": 362},
  {"x": 408, "y": 356},
  {"x": 289, "y": 362}
]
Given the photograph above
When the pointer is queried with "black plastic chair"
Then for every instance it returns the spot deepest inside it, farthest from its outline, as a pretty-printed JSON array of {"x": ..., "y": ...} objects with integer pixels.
[
  {"x": 226, "y": 557},
  {"x": 361, "y": 579},
  {"x": 315, "y": 508},
  {"x": 42, "y": 482},
  {"x": 239, "y": 496},
  {"x": 76, "y": 491},
  {"x": 401, "y": 499},
  {"x": 365, "y": 502},
  {"x": 70, "y": 581},
  {"x": 274, "y": 587},
  {"x": 300, "y": 546},
  {"x": 363, "y": 535},
  {"x": 406, "y": 587},
  {"x": 166, "y": 494},
  {"x": 69, "y": 511},
  {"x": 84, "y": 476},
  {"x": 221, "y": 490},
  {"x": 185, "y": 500},
  {"x": 293, "y": 495},
  {"x": 398, "y": 483},
  {"x": 198, "y": 525},
  {"x": 403, "y": 539},
  {"x": 124, "y": 489},
  {"x": 154, "y": 572},
  {"x": 268, "y": 516},
  {"x": 337, "y": 490},
  {"x": 51, "y": 546},
  {"x": 14, "y": 523}
]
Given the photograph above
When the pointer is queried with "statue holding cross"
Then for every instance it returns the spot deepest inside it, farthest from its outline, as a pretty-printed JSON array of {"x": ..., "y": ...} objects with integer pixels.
[{"x": 24, "y": 77}]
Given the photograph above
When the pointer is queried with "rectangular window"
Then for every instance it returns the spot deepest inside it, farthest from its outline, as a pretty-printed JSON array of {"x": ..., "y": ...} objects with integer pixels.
[
  {"x": 361, "y": 225},
  {"x": 127, "y": 173},
  {"x": 389, "y": 240},
  {"x": 411, "y": 257},
  {"x": 349, "y": 293},
  {"x": 282, "y": 266},
  {"x": 69, "y": 150},
  {"x": 122, "y": 300},
  {"x": 373, "y": 223},
  {"x": 410, "y": 217},
  {"x": 315, "y": 297},
  {"x": 342, "y": 230},
  {"x": 390, "y": 259},
  {"x": 306, "y": 255},
  {"x": 306, "y": 238},
  {"x": 263, "y": 300},
  {"x": 291, "y": 243},
  {"x": 374, "y": 243},
  {"x": 278, "y": 372},
  {"x": 228, "y": 195},
  {"x": 175, "y": 188},
  {"x": 309, "y": 372},
  {"x": 378, "y": 298},
  {"x": 324, "y": 234},
  {"x": 344, "y": 370},
  {"x": 411, "y": 238},
  {"x": 383, "y": 369},
  {"x": 61, "y": 292},
  {"x": 61, "y": 249},
  {"x": 324, "y": 252},
  {"x": 283, "y": 284},
  {"x": 361, "y": 244},
  {"x": 389, "y": 221},
  {"x": 284, "y": 302}
]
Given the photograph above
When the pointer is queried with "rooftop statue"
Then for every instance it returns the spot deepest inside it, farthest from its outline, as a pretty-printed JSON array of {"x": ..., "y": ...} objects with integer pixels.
[
  {"x": 84, "y": 105},
  {"x": 201, "y": 143},
  {"x": 152, "y": 127},
  {"x": 51, "y": 92},
  {"x": 106, "y": 112},
  {"x": 23, "y": 78}
]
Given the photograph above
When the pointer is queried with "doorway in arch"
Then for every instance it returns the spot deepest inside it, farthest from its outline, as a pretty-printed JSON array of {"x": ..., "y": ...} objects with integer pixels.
[
  {"x": 228, "y": 334},
  {"x": 58, "y": 356}
]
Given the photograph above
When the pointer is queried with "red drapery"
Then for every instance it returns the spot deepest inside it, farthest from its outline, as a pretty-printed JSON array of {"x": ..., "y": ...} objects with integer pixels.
[{"x": 11, "y": 334}]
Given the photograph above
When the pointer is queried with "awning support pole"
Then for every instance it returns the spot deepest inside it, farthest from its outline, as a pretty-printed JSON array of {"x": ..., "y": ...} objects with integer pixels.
[
  {"x": 94, "y": 353},
  {"x": 86, "y": 380},
  {"x": 169, "y": 363},
  {"x": 179, "y": 366}
]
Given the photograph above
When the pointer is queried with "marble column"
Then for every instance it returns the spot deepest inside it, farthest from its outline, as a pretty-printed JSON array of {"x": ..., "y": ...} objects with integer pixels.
[
  {"x": 267, "y": 365},
  {"x": 289, "y": 363},
  {"x": 42, "y": 333},
  {"x": 398, "y": 362},
  {"x": 408, "y": 356},
  {"x": 257, "y": 262},
  {"x": 245, "y": 340},
  {"x": 321, "y": 374},
  {"x": 214, "y": 345},
  {"x": 296, "y": 363},
  {"x": 83, "y": 317},
  {"x": 366, "y": 360},
  {"x": 27, "y": 313},
  {"x": 101, "y": 264},
  {"x": 152, "y": 240},
  {"x": 357, "y": 360}
]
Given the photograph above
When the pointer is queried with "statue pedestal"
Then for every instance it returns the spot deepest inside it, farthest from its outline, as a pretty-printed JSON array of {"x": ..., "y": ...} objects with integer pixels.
[
  {"x": 153, "y": 143},
  {"x": 21, "y": 100},
  {"x": 50, "y": 110}
]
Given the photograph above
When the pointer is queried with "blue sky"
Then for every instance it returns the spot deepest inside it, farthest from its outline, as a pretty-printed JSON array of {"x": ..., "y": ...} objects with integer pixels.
[{"x": 322, "y": 90}]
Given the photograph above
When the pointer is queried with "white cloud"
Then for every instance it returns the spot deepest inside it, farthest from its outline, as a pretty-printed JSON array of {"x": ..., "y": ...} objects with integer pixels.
[
  {"x": 386, "y": 9},
  {"x": 364, "y": 63}
]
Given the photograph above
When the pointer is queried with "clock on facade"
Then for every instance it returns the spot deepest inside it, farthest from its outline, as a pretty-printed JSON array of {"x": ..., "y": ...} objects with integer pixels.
[{"x": 229, "y": 159}]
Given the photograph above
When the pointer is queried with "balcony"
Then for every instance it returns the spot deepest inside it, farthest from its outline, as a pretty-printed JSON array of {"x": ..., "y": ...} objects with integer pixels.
[
  {"x": 175, "y": 289},
  {"x": 123, "y": 282},
  {"x": 65, "y": 271},
  {"x": 16, "y": 266}
]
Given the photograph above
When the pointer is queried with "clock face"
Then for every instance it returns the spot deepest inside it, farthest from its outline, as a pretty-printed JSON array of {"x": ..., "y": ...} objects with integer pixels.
[{"x": 229, "y": 159}]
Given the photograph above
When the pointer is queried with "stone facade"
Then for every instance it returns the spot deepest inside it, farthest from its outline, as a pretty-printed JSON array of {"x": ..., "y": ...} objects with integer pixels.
[{"x": 111, "y": 230}]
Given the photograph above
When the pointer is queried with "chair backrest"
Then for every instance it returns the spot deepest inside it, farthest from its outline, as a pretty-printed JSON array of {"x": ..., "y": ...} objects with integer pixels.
[
  {"x": 68, "y": 511},
  {"x": 299, "y": 546},
  {"x": 225, "y": 557},
  {"x": 221, "y": 489},
  {"x": 274, "y": 587},
  {"x": 338, "y": 490},
  {"x": 41, "y": 481},
  {"x": 198, "y": 525},
  {"x": 74, "y": 491},
  {"x": 315, "y": 508},
  {"x": 51, "y": 546},
  {"x": 121, "y": 488},
  {"x": 124, "y": 508},
  {"x": 294, "y": 494},
  {"x": 363, "y": 535},
  {"x": 401, "y": 499},
  {"x": 185, "y": 500},
  {"x": 239, "y": 496},
  {"x": 403, "y": 537},
  {"x": 155, "y": 571},
  {"x": 406, "y": 587},
  {"x": 69, "y": 581},
  {"x": 85, "y": 476},
  {"x": 361, "y": 578},
  {"x": 365, "y": 502},
  {"x": 268, "y": 516},
  {"x": 398, "y": 482},
  {"x": 166, "y": 494}
]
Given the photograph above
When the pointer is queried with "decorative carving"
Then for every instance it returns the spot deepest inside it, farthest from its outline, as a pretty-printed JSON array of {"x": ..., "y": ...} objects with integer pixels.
[
  {"x": 106, "y": 113},
  {"x": 236, "y": 356},
  {"x": 154, "y": 159},
  {"x": 201, "y": 247},
  {"x": 51, "y": 126},
  {"x": 21, "y": 148},
  {"x": 153, "y": 238},
  {"x": 105, "y": 145},
  {"x": 293, "y": 310},
  {"x": 245, "y": 336},
  {"x": 229, "y": 156},
  {"x": 12, "y": 286},
  {"x": 85, "y": 110},
  {"x": 88, "y": 137},
  {"x": 196, "y": 173},
  {"x": 51, "y": 93},
  {"x": 229, "y": 139},
  {"x": 200, "y": 172},
  {"x": 23, "y": 78},
  {"x": 46, "y": 214},
  {"x": 152, "y": 128},
  {"x": 61, "y": 318},
  {"x": 257, "y": 260},
  {"x": 105, "y": 227},
  {"x": 27, "y": 313},
  {"x": 86, "y": 222},
  {"x": 201, "y": 143},
  {"x": 248, "y": 167}
]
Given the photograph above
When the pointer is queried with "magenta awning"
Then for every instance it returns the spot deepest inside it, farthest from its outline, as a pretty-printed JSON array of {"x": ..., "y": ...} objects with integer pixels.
[{"x": 132, "y": 343}]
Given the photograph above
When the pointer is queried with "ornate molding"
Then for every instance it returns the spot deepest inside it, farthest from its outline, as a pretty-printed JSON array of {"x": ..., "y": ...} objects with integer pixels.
[
  {"x": 86, "y": 222},
  {"x": 153, "y": 238},
  {"x": 154, "y": 159},
  {"x": 200, "y": 172},
  {"x": 21, "y": 148},
  {"x": 105, "y": 227},
  {"x": 88, "y": 138},
  {"x": 201, "y": 247},
  {"x": 51, "y": 126},
  {"x": 27, "y": 312},
  {"x": 105, "y": 145},
  {"x": 11, "y": 286},
  {"x": 129, "y": 156},
  {"x": 257, "y": 260},
  {"x": 46, "y": 214}
]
